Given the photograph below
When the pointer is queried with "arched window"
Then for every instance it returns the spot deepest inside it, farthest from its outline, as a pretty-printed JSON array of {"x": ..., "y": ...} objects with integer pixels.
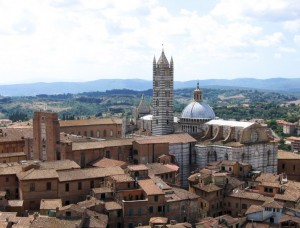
[
  {"x": 98, "y": 134},
  {"x": 268, "y": 157},
  {"x": 104, "y": 133},
  {"x": 111, "y": 133},
  {"x": 215, "y": 156},
  {"x": 243, "y": 157},
  {"x": 208, "y": 155},
  {"x": 85, "y": 133},
  {"x": 156, "y": 121},
  {"x": 167, "y": 122},
  {"x": 157, "y": 102},
  {"x": 226, "y": 157},
  {"x": 92, "y": 133}
]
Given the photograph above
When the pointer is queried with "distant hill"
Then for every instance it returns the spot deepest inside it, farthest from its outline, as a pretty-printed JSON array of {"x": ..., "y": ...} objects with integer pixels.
[{"x": 289, "y": 85}]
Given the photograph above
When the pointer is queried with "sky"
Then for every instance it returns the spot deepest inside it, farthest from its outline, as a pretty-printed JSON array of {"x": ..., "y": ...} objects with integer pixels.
[{"x": 85, "y": 40}]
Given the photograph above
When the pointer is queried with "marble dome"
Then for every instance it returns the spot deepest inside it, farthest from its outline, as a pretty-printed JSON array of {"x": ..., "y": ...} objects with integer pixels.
[{"x": 198, "y": 110}]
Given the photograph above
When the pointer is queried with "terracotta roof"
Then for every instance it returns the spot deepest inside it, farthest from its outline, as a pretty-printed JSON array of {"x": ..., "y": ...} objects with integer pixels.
[
  {"x": 272, "y": 204},
  {"x": 249, "y": 195},
  {"x": 12, "y": 154},
  {"x": 172, "y": 166},
  {"x": 122, "y": 178},
  {"x": 89, "y": 173},
  {"x": 287, "y": 155},
  {"x": 69, "y": 138},
  {"x": 228, "y": 162},
  {"x": 35, "y": 174},
  {"x": 158, "y": 168},
  {"x": 150, "y": 187},
  {"x": 178, "y": 194},
  {"x": 101, "y": 144},
  {"x": 90, "y": 202},
  {"x": 159, "y": 220},
  {"x": 104, "y": 121},
  {"x": 253, "y": 209},
  {"x": 286, "y": 218},
  {"x": 15, "y": 203},
  {"x": 50, "y": 222},
  {"x": 140, "y": 167},
  {"x": 112, "y": 205},
  {"x": 208, "y": 188},
  {"x": 106, "y": 162},
  {"x": 172, "y": 139},
  {"x": 10, "y": 169},
  {"x": 16, "y": 134},
  {"x": 50, "y": 204},
  {"x": 158, "y": 181},
  {"x": 59, "y": 165},
  {"x": 267, "y": 177},
  {"x": 102, "y": 190}
]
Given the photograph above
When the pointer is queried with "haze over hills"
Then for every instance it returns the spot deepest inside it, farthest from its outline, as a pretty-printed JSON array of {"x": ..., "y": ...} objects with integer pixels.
[{"x": 289, "y": 85}]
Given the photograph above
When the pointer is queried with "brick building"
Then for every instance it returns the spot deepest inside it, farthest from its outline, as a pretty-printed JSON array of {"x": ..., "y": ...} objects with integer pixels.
[
  {"x": 46, "y": 136},
  {"x": 289, "y": 163},
  {"x": 108, "y": 128}
]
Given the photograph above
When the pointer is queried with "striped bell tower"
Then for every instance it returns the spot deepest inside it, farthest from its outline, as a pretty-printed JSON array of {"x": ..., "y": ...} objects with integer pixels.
[{"x": 163, "y": 116}]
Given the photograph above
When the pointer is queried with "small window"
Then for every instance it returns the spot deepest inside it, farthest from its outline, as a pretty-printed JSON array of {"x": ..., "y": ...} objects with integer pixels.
[
  {"x": 68, "y": 214},
  {"x": 67, "y": 187},
  {"x": 79, "y": 186},
  {"x": 111, "y": 133},
  {"x": 32, "y": 187},
  {"x": 49, "y": 186},
  {"x": 139, "y": 211},
  {"x": 283, "y": 166},
  {"x": 159, "y": 209},
  {"x": 151, "y": 209},
  {"x": 156, "y": 198},
  {"x": 7, "y": 179},
  {"x": 92, "y": 184},
  {"x": 130, "y": 212}
]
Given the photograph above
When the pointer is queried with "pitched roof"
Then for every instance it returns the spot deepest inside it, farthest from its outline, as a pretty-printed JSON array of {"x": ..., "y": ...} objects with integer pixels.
[
  {"x": 272, "y": 204},
  {"x": 16, "y": 134},
  {"x": 107, "y": 162},
  {"x": 89, "y": 173},
  {"x": 171, "y": 139},
  {"x": 101, "y": 144},
  {"x": 50, "y": 222},
  {"x": 59, "y": 165},
  {"x": 104, "y": 121},
  {"x": 35, "y": 174},
  {"x": 249, "y": 195},
  {"x": 10, "y": 169},
  {"x": 140, "y": 167},
  {"x": 158, "y": 168},
  {"x": 102, "y": 190},
  {"x": 207, "y": 188},
  {"x": 287, "y": 155},
  {"x": 122, "y": 178},
  {"x": 253, "y": 209},
  {"x": 150, "y": 187},
  {"x": 112, "y": 205}
]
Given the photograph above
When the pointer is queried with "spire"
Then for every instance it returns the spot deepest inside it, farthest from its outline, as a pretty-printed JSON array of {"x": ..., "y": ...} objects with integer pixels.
[
  {"x": 171, "y": 61},
  {"x": 154, "y": 60},
  {"x": 198, "y": 94},
  {"x": 162, "y": 59}
]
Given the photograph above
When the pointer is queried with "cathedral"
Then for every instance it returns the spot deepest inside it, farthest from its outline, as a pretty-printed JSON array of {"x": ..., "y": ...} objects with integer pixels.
[{"x": 217, "y": 139}]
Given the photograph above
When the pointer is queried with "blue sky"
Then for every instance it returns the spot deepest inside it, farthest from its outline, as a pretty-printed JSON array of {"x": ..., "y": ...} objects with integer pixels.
[{"x": 84, "y": 40}]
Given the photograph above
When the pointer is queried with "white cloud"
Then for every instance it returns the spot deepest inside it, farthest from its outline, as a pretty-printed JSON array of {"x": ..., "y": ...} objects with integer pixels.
[
  {"x": 297, "y": 39},
  {"x": 270, "y": 40},
  {"x": 85, "y": 40}
]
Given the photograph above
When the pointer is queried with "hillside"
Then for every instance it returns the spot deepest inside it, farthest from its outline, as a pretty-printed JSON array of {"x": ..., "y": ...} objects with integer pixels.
[
  {"x": 227, "y": 103},
  {"x": 284, "y": 85}
]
